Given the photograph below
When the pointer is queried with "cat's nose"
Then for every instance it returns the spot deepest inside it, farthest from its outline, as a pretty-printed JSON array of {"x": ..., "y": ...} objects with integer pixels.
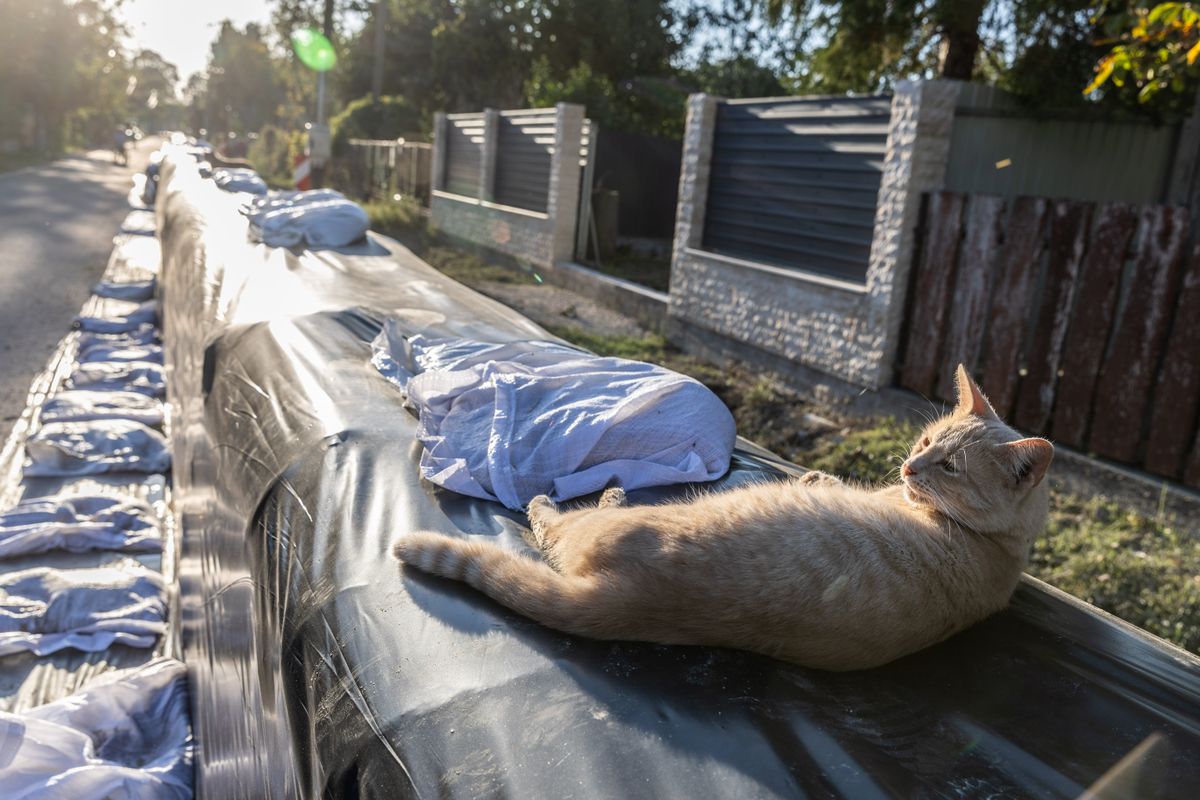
[{"x": 906, "y": 470}]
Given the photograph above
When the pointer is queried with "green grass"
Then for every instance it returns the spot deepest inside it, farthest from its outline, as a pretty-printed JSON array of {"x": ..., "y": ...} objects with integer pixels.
[
  {"x": 648, "y": 270},
  {"x": 1143, "y": 570}
]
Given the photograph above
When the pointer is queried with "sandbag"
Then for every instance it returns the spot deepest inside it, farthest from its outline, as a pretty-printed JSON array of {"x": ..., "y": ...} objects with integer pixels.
[
  {"x": 69, "y": 449},
  {"x": 123, "y": 376},
  {"x": 126, "y": 735},
  {"x": 86, "y": 406},
  {"x": 44, "y": 610},
  {"x": 79, "y": 524}
]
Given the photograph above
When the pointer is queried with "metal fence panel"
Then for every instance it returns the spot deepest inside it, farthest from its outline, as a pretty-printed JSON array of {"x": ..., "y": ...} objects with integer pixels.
[
  {"x": 525, "y": 149},
  {"x": 794, "y": 182},
  {"x": 464, "y": 153}
]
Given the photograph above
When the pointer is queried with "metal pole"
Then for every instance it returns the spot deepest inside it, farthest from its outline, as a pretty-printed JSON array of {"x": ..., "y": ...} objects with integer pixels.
[{"x": 320, "y": 97}]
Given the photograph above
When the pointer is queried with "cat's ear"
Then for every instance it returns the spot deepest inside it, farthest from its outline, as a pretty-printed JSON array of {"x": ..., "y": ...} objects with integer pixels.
[
  {"x": 1030, "y": 458},
  {"x": 970, "y": 399}
]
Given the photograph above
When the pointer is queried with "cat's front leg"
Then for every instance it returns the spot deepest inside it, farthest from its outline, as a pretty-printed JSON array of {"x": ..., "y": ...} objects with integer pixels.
[{"x": 817, "y": 478}]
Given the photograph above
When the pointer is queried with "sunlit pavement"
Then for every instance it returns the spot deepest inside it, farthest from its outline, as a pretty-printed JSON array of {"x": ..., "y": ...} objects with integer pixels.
[{"x": 57, "y": 221}]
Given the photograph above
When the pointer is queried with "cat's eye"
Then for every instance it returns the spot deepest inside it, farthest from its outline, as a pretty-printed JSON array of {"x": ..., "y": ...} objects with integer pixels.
[
  {"x": 923, "y": 443},
  {"x": 948, "y": 465}
]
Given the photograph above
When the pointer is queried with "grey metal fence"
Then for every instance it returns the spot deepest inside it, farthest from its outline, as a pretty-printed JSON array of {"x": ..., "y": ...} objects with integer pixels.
[
  {"x": 525, "y": 150},
  {"x": 794, "y": 181},
  {"x": 999, "y": 148},
  {"x": 464, "y": 153},
  {"x": 390, "y": 169}
]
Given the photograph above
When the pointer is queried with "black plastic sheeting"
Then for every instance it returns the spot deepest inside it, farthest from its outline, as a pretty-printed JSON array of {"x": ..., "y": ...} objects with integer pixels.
[{"x": 322, "y": 668}]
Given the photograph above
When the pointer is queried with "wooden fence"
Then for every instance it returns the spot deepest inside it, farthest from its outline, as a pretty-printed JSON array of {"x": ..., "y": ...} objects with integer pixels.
[{"x": 1081, "y": 320}]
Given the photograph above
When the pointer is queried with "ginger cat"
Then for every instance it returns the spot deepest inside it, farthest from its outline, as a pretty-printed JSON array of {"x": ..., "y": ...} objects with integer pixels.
[{"x": 810, "y": 570}]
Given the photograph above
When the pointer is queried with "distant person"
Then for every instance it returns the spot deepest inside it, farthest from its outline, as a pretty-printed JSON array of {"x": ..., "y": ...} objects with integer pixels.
[{"x": 120, "y": 142}]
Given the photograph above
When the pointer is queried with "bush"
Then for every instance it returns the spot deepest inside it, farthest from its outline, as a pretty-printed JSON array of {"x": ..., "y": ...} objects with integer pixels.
[
  {"x": 390, "y": 118},
  {"x": 274, "y": 152}
]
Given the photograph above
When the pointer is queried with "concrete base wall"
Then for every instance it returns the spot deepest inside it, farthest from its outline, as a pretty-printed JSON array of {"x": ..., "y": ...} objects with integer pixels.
[{"x": 523, "y": 235}]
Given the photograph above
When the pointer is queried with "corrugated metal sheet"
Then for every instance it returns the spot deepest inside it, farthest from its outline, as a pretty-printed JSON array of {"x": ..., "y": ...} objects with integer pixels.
[
  {"x": 794, "y": 181},
  {"x": 994, "y": 150},
  {"x": 464, "y": 153},
  {"x": 525, "y": 149}
]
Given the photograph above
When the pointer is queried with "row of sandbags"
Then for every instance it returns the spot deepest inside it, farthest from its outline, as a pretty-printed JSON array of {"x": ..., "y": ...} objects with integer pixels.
[{"x": 126, "y": 733}]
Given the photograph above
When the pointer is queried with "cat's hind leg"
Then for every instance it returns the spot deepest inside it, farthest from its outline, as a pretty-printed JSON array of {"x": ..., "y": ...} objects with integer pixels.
[
  {"x": 614, "y": 496},
  {"x": 542, "y": 512}
]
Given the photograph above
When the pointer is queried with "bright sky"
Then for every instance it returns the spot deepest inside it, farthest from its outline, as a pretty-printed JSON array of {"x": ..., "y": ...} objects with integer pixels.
[{"x": 182, "y": 31}]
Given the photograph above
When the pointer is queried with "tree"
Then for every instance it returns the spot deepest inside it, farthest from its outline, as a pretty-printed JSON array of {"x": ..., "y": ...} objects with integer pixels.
[
  {"x": 63, "y": 74},
  {"x": 241, "y": 91}
]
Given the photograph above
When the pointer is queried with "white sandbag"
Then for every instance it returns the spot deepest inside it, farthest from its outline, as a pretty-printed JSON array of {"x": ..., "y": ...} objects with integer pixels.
[
  {"x": 149, "y": 353},
  {"x": 327, "y": 223},
  {"x": 79, "y": 524},
  {"x": 45, "y": 610},
  {"x": 511, "y": 421},
  {"x": 136, "y": 291},
  {"x": 127, "y": 735},
  {"x": 139, "y": 223},
  {"x": 122, "y": 376},
  {"x": 239, "y": 179},
  {"x": 124, "y": 316},
  {"x": 68, "y": 449},
  {"x": 142, "y": 334},
  {"x": 76, "y": 405}
]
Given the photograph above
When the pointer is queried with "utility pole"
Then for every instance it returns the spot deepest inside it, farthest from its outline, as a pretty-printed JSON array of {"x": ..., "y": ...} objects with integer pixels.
[
  {"x": 318, "y": 171},
  {"x": 381, "y": 13}
]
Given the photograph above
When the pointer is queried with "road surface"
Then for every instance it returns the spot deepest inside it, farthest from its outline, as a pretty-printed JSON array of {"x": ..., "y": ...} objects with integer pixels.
[{"x": 56, "y": 227}]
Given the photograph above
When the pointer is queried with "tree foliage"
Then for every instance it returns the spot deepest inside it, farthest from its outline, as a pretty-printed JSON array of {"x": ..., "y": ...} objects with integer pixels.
[
  {"x": 63, "y": 73},
  {"x": 1153, "y": 51}
]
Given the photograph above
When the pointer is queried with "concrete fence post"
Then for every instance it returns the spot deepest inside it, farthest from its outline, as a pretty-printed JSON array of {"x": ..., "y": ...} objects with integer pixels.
[
  {"x": 563, "y": 201},
  {"x": 918, "y": 151},
  {"x": 695, "y": 165},
  {"x": 487, "y": 160},
  {"x": 437, "y": 169}
]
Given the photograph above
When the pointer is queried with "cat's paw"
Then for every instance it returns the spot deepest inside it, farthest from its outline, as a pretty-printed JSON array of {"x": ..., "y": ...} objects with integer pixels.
[
  {"x": 818, "y": 478},
  {"x": 614, "y": 496},
  {"x": 541, "y": 501}
]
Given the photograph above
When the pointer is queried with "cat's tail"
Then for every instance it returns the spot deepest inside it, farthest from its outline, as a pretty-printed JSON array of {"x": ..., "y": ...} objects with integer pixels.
[{"x": 529, "y": 587}]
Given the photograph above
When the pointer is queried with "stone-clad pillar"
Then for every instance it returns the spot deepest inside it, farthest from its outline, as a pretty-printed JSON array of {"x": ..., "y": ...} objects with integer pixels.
[
  {"x": 695, "y": 165},
  {"x": 487, "y": 159},
  {"x": 563, "y": 202},
  {"x": 918, "y": 150}
]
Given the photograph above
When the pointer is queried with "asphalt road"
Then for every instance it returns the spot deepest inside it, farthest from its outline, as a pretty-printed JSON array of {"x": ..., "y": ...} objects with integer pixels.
[{"x": 56, "y": 227}]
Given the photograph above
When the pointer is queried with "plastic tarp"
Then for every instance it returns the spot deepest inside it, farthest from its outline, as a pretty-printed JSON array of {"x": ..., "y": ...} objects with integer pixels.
[
  {"x": 511, "y": 421},
  {"x": 44, "y": 610},
  {"x": 297, "y": 466},
  {"x": 78, "y": 524},
  {"x": 96, "y": 446},
  {"x": 125, "y": 736}
]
